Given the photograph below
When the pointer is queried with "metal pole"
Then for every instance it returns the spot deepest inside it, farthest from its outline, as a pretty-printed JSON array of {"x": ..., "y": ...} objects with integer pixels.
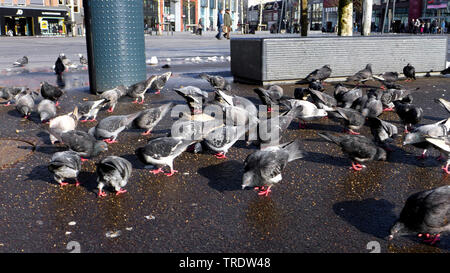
[
  {"x": 281, "y": 16},
  {"x": 385, "y": 14},
  {"x": 393, "y": 11},
  {"x": 72, "y": 17},
  {"x": 260, "y": 14}
]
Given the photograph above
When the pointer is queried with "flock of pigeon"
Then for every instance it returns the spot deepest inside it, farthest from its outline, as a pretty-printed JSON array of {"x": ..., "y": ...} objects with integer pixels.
[{"x": 426, "y": 213}]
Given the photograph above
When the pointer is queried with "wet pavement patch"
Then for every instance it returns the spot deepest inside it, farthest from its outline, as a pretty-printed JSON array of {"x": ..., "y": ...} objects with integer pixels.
[{"x": 14, "y": 151}]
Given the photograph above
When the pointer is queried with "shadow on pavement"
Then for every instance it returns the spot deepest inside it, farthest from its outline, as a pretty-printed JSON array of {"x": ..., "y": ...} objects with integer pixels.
[{"x": 226, "y": 176}]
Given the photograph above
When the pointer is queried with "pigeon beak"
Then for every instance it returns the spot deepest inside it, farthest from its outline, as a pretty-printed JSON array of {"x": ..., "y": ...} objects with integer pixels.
[{"x": 390, "y": 237}]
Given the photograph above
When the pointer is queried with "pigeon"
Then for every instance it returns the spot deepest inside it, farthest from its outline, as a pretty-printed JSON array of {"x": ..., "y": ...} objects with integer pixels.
[
  {"x": 24, "y": 103},
  {"x": 51, "y": 92},
  {"x": 162, "y": 151},
  {"x": 410, "y": 72},
  {"x": 426, "y": 213},
  {"x": 270, "y": 96},
  {"x": 388, "y": 79},
  {"x": 382, "y": 131},
  {"x": 316, "y": 85},
  {"x": 46, "y": 110},
  {"x": 89, "y": 109},
  {"x": 160, "y": 81},
  {"x": 362, "y": 75},
  {"x": 150, "y": 117},
  {"x": 322, "y": 100},
  {"x": 263, "y": 168},
  {"x": 390, "y": 95},
  {"x": 359, "y": 148},
  {"x": 8, "y": 93},
  {"x": 346, "y": 97},
  {"x": 62, "y": 124},
  {"x": 113, "y": 171},
  {"x": 112, "y": 96},
  {"x": 218, "y": 82},
  {"x": 372, "y": 107},
  {"x": 320, "y": 74},
  {"x": 223, "y": 99},
  {"x": 409, "y": 113},
  {"x": 21, "y": 62},
  {"x": 350, "y": 118},
  {"x": 59, "y": 67},
  {"x": 221, "y": 139},
  {"x": 309, "y": 110},
  {"x": 193, "y": 128},
  {"x": 194, "y": 96},
  {"x": 443, "y": 145},
  {"x": 64, "y": 165},
  {"x": 82, "y": 143},
  {"x": 138, "y": 90},
  {"x": 270, "y": 130},
  {"x": 83, "y": 60},
  {"x": 301, "y": 93},
  {"x": 109, "y": 128},
  {"x": 417, "y": 136},
  {"x": 444, "y": 103},
  {"x": 446, "y": 71}
]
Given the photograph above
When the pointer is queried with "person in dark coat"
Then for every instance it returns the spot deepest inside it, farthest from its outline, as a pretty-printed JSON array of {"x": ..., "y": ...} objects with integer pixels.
[{"x": 219, "y": 24}]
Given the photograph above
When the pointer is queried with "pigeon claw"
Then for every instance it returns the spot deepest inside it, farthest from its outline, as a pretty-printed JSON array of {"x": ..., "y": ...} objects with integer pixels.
[
  {"x": 445, "y": 169},
  {"x": 158, "y": 92},
  {"x": 390, "y": 109},
  {"x": 172, "y": 172},
  {"x": 101, "y": 193},
  {"x": 264, "y": 192},
  {"x": 110, "y": 110},
  {"x": 135, "y": 101},
  {"x": 357, "y": 166},
  {"x": 77, "y": 183},
  {"x": 84, "y": 159},
  {"x": 109, "y": 141},
  {"x": 156, "y": 171},
  {"x": 62, "y": 184},
  {"x": 146, "y": 133},
  {"x": 429, "y": 238}
]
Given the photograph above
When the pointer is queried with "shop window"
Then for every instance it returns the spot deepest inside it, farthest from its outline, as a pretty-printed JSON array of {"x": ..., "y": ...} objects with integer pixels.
[
  {"x": 37, "y": 2},
  {"x": 21, "y": 2},
  {"x": 8, "y": 2}
]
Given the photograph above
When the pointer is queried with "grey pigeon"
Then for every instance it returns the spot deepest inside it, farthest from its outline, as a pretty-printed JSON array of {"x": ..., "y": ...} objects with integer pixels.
[
  {"x": 222, "y": 139},
  {"x": 350, "y": 118},
  {"x": 194, "y": 129},
  {"x": 162, "y": 151},
  {"x": 83, "y": 60},
  {"x": 426, "y": 213},
  {"x": 346, "y": 97},
  {"x": 160, "y": 81},
  {"x": 262, "y": 169},
  {"x": 410, "y": 72},
  {"x": 320, "y": 74},
  {"x": 138, "y": 90},
  {"x": 82, "y": 143},
  {"x": 218, "y": 82},
  {"x": 270, "y": 96},
  {"x": 373, "y": 107},
  {"x": 382, "y": 131},
  {"x": 223, "y": 99},
  {"x": 322, "y": 100},
  {"x": 8, "y": 93},
  {"x": 21, "y": 62},
  {"x": 113, "y": 171},
  {"x": 270, "y": 130},
  {"x": 418, "y": 135},
  {"x": 444, "y": 103},
  {"x": 65, "y": 165},
  {"x": 443, "y": 145},
  {"x": 24, "y": 103},
  {"x": 150, "y": 117},
  {"x": 109, "y": 128},
  {"x": 387, "y": 79},
  {"x": 357, "y": 147},
  {"x": 194, "y": 96},
  {"x": 89, "y": 109},
  {"x": 362, "y": 75},
  {"x": 63, "y": 123},
  {"x": 51, "y": 92},
  {"x": 112, "y": 96},
  {"x": 316, "y": 85},
  {"x": 409, "y": 113},
  {"x": 46, "y": 110},
  {"x": 309, "y": 110},
  {"x": 390, "y": 95}
]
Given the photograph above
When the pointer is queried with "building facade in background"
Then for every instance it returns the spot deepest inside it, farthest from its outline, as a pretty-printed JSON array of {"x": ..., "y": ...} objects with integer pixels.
[{"x": 181, "y": 15}]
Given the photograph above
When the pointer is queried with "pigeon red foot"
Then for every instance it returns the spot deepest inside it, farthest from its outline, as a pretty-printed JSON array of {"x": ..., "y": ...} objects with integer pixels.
[
  {"x": 158, "y": 92},
  {"x": 220, "y": 156},
  {"x": 109, "y": 141},
  {"x": 110, "y": 110},
  {"x": 445, "y": 169},
  {"x": 357, "y": 166},
  {"x": 430, "y": 238},
  {"x": 351, "y": 132},
  {"x": 172, "y": 172},
  {"x": 390, "y": 109},
  {"x": 8, "y": 104},
  {"x": 146, "y": 133},
  {"x": 84, "y": 159},
  {"x": 77, "y": 183},
  {"x": 263, "y": 191},
  {"x": 57, "y": 103},
  {"x": 62, "y": 183},
  {"x": 101, "y": 193},
  {"x": 156, "y": 171},
  {"x": 120, "y": 191}
]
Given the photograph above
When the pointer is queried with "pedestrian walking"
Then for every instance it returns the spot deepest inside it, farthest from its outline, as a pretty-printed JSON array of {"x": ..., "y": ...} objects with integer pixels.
[
  {"x": 227, "y": 22},
  {"x": 200, "y": 26},
  {"x": 219, "y": 24},
  {"x": 422, "y": 26},
  {"x": 443, "y": 30}
]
